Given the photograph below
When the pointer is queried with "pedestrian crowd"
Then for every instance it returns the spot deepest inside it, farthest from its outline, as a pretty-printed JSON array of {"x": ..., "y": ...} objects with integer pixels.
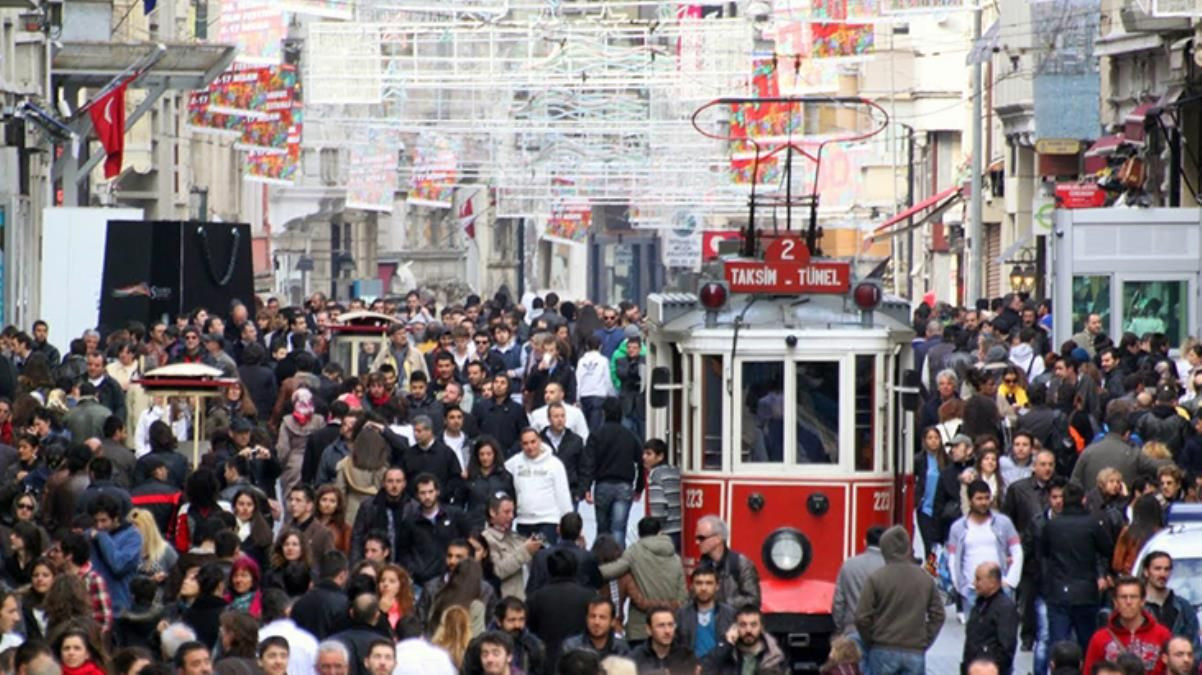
[
  {"x": 1042, "y": 473},
  {"x": 420, "y": 517}
]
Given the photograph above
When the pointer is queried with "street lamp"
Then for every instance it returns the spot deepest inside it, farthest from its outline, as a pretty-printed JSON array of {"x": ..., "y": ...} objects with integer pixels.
[{"x": 1022, "y": 274}]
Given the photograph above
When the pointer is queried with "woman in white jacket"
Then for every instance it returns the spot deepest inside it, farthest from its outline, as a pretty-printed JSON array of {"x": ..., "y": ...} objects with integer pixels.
[{"x": 541, "y": 484}]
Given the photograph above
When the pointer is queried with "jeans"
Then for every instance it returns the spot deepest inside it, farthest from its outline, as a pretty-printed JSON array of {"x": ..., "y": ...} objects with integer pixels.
[
  {"x": 611, "y": 499},
  {"x": 1042, "y": 636},
  {"x": 591, "y": 407},
  {"x": 883, "y": 661},
  {"x": 550, "y": 532},
  {"x": 1064, "y": 620}
]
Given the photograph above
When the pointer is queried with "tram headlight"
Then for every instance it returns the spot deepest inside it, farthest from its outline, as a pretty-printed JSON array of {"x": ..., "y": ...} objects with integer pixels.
[{"x": 787, "y": 553}]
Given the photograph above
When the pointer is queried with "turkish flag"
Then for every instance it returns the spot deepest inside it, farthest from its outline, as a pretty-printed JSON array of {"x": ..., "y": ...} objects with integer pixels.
[
  {"x": 467, "y": 219},
  {"x": 108, "y": 116}
]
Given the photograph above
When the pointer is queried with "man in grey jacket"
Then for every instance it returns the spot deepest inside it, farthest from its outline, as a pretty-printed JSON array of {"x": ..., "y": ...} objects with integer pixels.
[
  {"x": 657, "y": 571},
  {"x": 1113, "y": 450},
  {"x": 850, "y": 582},
  {"x": 738, "y": 579},
  {"x": 895, "y": 601}
]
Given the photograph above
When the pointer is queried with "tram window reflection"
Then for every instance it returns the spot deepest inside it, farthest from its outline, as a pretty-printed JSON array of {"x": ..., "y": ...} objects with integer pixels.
[
  {"x": 763, "y": 410},
  {"x": 817, "y": 405},
  {"x": 711, "y": 413}
]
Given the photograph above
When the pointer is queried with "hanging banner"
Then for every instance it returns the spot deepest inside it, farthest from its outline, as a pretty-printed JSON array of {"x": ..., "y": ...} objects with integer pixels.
[
  {"x": 435, "y": 170},
  {"x": 924, "y": 6},
  {"x": 768, "y": 124},
  {"x": 570, "y": 221},
  {"x": 330, "y": 9},
  {"x": 203, "y": 120},
  {"x": 840, "y": 40},
  {"x": 372, "y": 178},
  {"x": 254, "y": 92},
  {"x": 865, "y": 11},
  {"x": 274, "y": 167},
  {"x": 257, "y": 29}
]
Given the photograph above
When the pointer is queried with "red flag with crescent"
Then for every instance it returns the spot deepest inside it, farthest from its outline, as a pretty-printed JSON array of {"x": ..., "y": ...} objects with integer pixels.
[
  {"x": 108, "y": 116},
  {"x": 467, "y": 219}
]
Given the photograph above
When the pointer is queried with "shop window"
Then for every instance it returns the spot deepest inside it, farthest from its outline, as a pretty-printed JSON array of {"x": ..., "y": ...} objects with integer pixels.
[
  {"x": 1156, "y": 307},
  {"x": 1091, "y": 295}
]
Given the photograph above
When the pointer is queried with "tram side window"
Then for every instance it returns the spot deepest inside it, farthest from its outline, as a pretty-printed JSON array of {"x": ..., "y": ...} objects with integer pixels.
[
  {"x": 817, "y": 412},
  {"x": 865, "y": 424},
  {"x": 711, "y": 413},
  {"x": 763, "y": 411}
]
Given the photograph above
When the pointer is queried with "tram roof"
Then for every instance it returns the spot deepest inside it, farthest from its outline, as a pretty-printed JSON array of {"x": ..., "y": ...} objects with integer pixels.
[{"x": 681, "y": 313}]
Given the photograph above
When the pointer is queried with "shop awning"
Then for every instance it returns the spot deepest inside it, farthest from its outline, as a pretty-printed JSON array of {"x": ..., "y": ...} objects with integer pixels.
[
  {"x": 1133, "y": 124},
  {"x": 935, "y": 205},
  {"x": 1095, "y": 156}
]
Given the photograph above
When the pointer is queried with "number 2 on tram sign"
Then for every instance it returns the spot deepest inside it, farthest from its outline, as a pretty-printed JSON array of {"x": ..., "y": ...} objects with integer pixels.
[{"x": 786, "y": 269}]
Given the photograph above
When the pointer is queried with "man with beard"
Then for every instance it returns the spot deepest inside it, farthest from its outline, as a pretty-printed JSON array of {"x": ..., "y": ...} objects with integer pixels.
[
  {"x": 387, "y": 512},
  {"x": 744, "y": 644},
  {"x": 500, "y": 416}
]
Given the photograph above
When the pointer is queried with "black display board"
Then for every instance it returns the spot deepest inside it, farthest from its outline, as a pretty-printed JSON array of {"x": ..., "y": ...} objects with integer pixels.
[{"x": 157, "y": 269}]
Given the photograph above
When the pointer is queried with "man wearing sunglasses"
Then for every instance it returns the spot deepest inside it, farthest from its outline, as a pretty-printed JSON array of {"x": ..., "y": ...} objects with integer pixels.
[
  {"x": 610, "y": 333},
  {"x": 738, "y": 580}
]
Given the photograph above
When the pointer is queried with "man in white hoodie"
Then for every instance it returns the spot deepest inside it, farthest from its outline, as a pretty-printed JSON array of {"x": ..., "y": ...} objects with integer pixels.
[
  {"x": 593, "y": 383},
  {"x": 541, "y": 484}
]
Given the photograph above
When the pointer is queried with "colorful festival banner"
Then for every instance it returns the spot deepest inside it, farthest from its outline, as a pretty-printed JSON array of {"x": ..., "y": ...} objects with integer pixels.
[
  {"x": 435, "y": 170},
  {"x": 275, "y": 167},
  {"x": 769, "y": 124},
  {"x": 203, "y": 120},
  {"x": 372, "y": 180},
  {"x": 256, "y": 27},
  {"x": 840, "y": 40},
  {"x": 570, "y": 221}
]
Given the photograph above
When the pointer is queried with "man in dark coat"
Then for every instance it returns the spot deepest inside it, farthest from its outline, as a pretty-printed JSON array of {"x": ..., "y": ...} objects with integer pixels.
[
  {"x": 431, "y": 528},
  {"x": 1075, "y": 550},
  {"x": 323, "y": 610},
  {"x": 388, "y": 512},
  {"x": 558, "y": 610},
  {"x": 363, "y": 628},
  {"x": 500, "y": 416},
  {"x": 430, "y": 455},
  {"x": 567, "y": 445},
  {"x": 108, "y": 392},
  {"x": 587, "y": 572},
  {"x": 992, "y": 629}
]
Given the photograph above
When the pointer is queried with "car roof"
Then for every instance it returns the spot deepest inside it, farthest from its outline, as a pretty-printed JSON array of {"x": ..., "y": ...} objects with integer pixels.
[{"x": 1180, "y": 541}]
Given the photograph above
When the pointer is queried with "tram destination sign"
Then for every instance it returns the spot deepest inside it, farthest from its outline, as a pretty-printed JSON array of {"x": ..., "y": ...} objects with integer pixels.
[{"x": 787, "y": 269}]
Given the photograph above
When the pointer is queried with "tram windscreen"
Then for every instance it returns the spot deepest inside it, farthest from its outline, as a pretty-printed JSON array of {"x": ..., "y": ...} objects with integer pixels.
[
  {"x": 817, "y": 406},
  {"x": 763, "y": 428}
]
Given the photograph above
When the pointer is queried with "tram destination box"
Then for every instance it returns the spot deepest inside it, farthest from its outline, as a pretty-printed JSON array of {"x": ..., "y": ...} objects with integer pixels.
[{"x": 787, "y": 269}]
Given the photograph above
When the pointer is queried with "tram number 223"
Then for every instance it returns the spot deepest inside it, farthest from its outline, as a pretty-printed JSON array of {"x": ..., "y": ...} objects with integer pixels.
[
  {"x": 694, "y": 499},
  {"x": 882, "y": 500}
]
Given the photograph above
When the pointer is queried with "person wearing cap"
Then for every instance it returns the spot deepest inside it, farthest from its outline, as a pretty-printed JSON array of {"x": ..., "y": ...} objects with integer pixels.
[
  {"x": 954, "y": 478},
  {"x": 216, "y": 356},
  {"x": 156, "y": 494},
  {"x": 401, "y": 354}
]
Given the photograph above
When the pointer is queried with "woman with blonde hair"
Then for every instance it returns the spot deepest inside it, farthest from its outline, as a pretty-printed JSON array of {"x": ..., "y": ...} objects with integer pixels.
[
  {"x": 158, "y": 558},
  {"x": 454, "y": 632},
  {"x": 1157, "y": 450}
]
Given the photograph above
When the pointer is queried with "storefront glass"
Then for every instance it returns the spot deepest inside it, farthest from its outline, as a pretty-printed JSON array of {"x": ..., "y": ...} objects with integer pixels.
[
  {"x": 1156, "y": 307},
  {"x": 1091, "y": 295}
]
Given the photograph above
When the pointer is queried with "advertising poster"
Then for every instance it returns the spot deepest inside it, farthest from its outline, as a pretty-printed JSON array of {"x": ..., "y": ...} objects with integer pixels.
[
  {"x": 570, "y": 221},
  {"x": 769, "y": 124},
  {"x": 202, "y": 119},
  {"x": 840, "y": 40},
  {"x": 372, "y": 179},
  {"x": 256, "y": 27},
  {"x": 435, "y": 171},
  {"x": 275, "y": 167}
]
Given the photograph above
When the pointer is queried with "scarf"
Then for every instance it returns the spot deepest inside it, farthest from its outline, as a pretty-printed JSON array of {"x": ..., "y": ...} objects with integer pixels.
[
  {"x": 302, "y": 420},
  {"x": 378, "y": 401},
  {"x": 89, "y": 667}
]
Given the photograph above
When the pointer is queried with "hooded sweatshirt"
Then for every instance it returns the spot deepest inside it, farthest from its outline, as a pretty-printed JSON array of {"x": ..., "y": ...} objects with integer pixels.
[
  {"x": 1114, "y": 640},
  {"x": 1023, "y": 356},
  {"x": 898, "y": 598},
  {"x": 659, "y": 574},
  {"x": 543, "y": 494}
]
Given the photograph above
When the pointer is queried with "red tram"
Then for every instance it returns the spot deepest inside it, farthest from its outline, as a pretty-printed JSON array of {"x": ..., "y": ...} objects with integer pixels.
[{"x": 789, "y": 416}]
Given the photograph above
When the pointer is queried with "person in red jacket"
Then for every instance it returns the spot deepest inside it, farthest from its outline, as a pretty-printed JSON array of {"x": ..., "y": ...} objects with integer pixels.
[{"x": 1130, "y": 630}]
